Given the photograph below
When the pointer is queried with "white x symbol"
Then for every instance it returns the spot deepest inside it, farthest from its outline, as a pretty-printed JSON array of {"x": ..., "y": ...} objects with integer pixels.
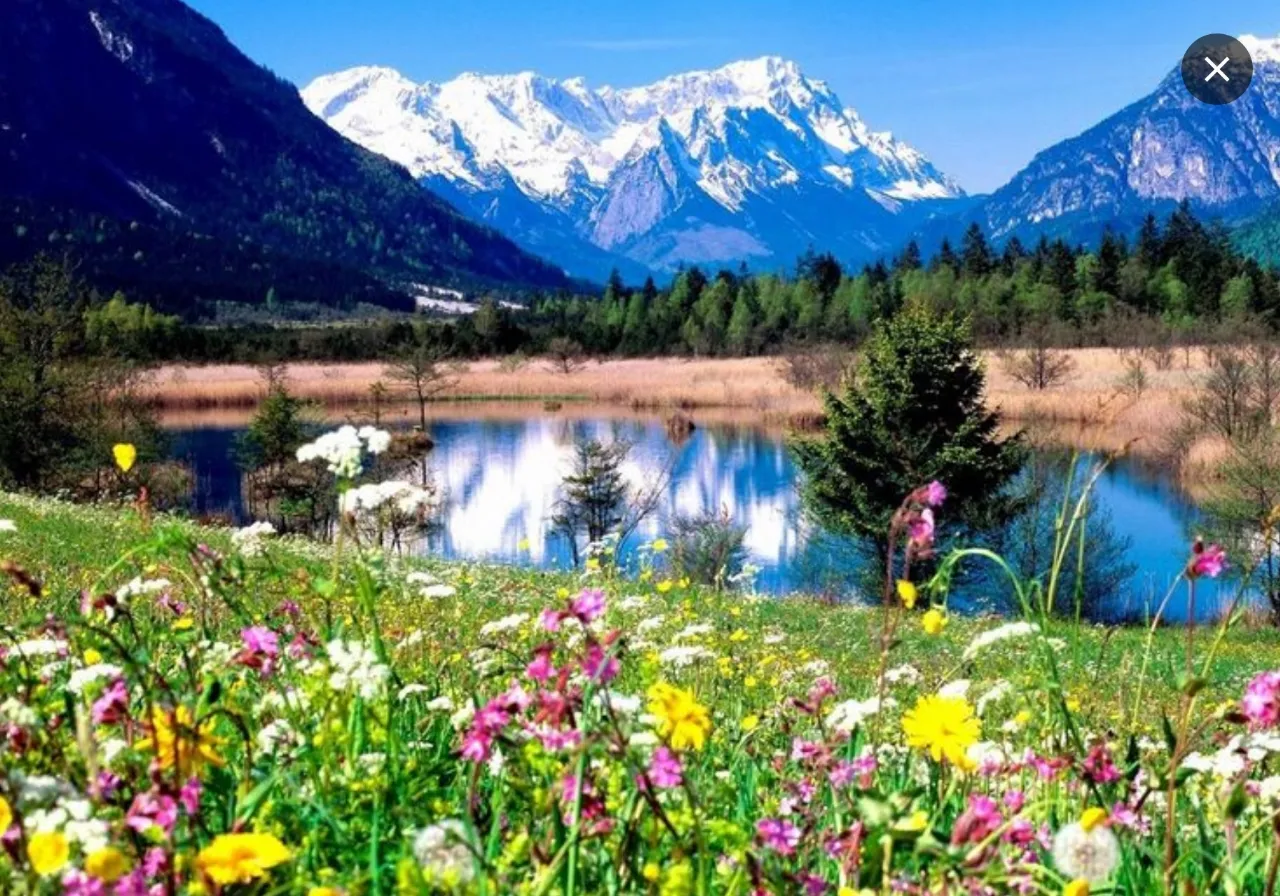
[{"x": 1217, "y": 69}]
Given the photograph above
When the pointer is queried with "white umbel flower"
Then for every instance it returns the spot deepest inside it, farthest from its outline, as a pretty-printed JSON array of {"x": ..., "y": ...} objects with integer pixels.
[
  {"x": 441, "y": 849},
  {"x": 851, "y": 713},
  {"x": 1006, "y": 632}
]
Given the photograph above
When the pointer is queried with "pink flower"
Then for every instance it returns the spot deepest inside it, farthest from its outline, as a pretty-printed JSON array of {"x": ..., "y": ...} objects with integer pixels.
[
  {"x": 112, "y": 705},
  {"x": 921, "y": 529},
  {"x": 1206, "y": 561},
  {"x": 477, "y": 745},
  {"x": 804, "y": 750},
  {"x": 934, "y": 494},
  {"x": 599, "y": 666},
  {"x": 540, "y": 669},
  {"x": 589, "y": 604},
  {"x": 551, "y": 620},
  {"x": 77, "y": 883},
  {"x": 665, "y": 770},
  {"x": 1261, "y": 701},
  {"x": 1014, "y": 800},
  {"x": 1099, "y": 768},
  {"x": 978, "y": 821},
  {"x": 189, "y": 796},
  {"x": 151, "y": 810},
  {"x": 261, "y": 640},
  {"x": 778, "y": 834}
]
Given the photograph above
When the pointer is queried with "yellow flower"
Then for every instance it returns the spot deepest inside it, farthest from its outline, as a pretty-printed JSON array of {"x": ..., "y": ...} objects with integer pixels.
[
  {"x": 945, "y": 726},
  {"x": 934, "y": 622},
  {"x": 1022, "y": 717},
  {"x": 593, "y": 564},
  {"x": 183, "y": 623},
  {"x": 1073, "y": 705},
  {"x": 916, "y": 821},
  {"x": 240, "y": 858},
  {"x": 651, "y": 871},
  {"x": 177, "y": 742},
  {"x": 522, "y": 544},
  {"x": 659, "y": 545},
  {"x": 48, "y": 852},
  {"x": 681, "y": 719},
  {"x": 92, "y": 657},
  {"x": 324, "y": 891},
  {"x": 664, "y": 586},
  {"x": 6, "y": 815},
  {"x": 738, "y": 636},
  {"x": 125, "y": 454},
  {"x": 750, "y": 723},
  {"x": 1078, "y": 887},
  {"x": 107, "y": 864},
  {"x": 907, "y": 593},
  {"x": 750, "y": 681},
  {"x": 1092, "y": 818},
  {"x": 679, "y": 881}
]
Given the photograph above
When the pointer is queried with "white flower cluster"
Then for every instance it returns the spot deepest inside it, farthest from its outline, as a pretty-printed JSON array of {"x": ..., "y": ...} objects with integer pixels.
[
  {"x": 74, "y": 818},
  {"x": 679, "y": 657},
  {"x": 343, "y": 448},
  {"x": 354, "y": 667},
  {"x": 851, "y": 713},
  {"x": 504, "y": 625},
  {"x": 403, "y": 496},
  {"x": 138, "y": 586},
  {"x": 82, "y": 678},
  {"x": 442, "y": 851},
  {"x": 1091, "y": 855},
  {"x": 1005, "y": 632},
  {"x": 429, "y": 586},
  {"x": 248, "y": 540}
]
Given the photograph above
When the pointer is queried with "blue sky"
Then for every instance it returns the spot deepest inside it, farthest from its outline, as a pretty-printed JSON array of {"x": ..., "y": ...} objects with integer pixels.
[{"x": 977, "y": 85}]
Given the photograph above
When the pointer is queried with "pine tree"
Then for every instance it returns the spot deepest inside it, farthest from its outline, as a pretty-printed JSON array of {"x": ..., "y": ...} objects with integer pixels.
[{"x": 913, "y": 414}]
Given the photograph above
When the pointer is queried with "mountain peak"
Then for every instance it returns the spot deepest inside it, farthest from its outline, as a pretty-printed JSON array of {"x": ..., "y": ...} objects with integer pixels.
[
  {"x": 754, "y": 145},
  {"x": 1262, "y": 49}
]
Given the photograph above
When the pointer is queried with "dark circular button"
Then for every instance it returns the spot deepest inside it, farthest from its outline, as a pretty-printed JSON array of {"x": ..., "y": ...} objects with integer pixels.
[{"x": 1217, "y": 69}]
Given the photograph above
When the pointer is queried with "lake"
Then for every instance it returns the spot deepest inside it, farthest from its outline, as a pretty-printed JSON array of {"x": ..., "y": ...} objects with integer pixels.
[{"x": 500, "y": 479}]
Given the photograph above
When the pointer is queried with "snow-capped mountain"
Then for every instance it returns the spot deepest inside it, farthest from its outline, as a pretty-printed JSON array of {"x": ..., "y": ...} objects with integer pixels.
[
  {"x": 753, "y": 161},
  {"x": 1162, "y": 149}
]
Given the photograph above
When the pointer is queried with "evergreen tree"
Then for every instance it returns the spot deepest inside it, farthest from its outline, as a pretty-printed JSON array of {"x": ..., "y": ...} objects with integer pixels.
[
  {"x": 913, "y": 414},
  {"x": 975, "y": 254}
]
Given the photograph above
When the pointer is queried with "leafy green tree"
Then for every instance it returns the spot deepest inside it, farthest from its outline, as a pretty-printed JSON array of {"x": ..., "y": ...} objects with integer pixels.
[{"x": 913, "y": 413}]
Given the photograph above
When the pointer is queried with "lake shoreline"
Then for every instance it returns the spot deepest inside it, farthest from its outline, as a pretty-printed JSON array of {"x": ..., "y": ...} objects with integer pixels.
[{"x": 1091, "y": 410}]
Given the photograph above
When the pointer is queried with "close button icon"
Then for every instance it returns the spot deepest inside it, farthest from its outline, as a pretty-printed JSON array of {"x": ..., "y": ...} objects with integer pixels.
[{"x": 1217, "y": 69}]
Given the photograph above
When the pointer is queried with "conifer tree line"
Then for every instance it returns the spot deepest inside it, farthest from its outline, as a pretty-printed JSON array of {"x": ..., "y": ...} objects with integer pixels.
[
  {"x": 1176, "y": 280},
  {"x": 1176, "y": 276}
]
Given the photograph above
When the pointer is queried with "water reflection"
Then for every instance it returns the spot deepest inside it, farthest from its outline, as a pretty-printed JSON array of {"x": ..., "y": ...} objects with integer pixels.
[{"x": 501, "y": 482}]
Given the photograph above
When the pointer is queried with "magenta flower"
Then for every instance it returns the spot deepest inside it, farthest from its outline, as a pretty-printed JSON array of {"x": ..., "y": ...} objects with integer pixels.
[
  {"x": 978, "y": 821},
  {"x": 77, "y": 883},
  {"x": 1261, "y": 701},
  {"x": 540, "y": 669},
  {"x": 261, "y": 640},
  {"x": 599, "y": 666},
  {"x": 920, "y": 529},
  {"x": 588, "y": 605},
  {"x": 1099, "y": 768},
  {"x": 112, "y": 705},
  {"x": 804, "y": 750},
  {"x": 551, "y": 620},
  {"x": 934, "y": 494},
  {"x": 778, "y": 834},
  {"x": 665, "y": 770},
  {"x": 189, "y": 796},
  {"x": 151, "y": 810},
  {"x": 1207, "y": 561},
  {"x": 477, "y": 745}
]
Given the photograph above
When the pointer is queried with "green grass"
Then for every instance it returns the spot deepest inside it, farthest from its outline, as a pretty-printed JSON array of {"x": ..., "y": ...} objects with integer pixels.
[{"x": 359, "y": 777}]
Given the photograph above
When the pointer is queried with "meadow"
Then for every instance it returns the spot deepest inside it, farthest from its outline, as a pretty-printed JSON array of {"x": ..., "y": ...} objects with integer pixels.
[{"x": 219, "y": 711}]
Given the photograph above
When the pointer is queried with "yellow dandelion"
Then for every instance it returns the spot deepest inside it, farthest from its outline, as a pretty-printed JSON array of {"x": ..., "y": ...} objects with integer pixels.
[
  {"x": 1092, "y": 818},
  {"x": 240, "y": 858},
  {"x": 1078, "y": 887},
  {"x": 682, "y": 720},
  {"x": 750, "y": 723},
  {"x": 6, "y": 815},
  {"x": 907, "y": 593},
  {"x": 178, "y": 743},
  {"x": 933, "y": 622},
  {"x": 944, "y": 726},
  {"x": 659, "y": 545}
]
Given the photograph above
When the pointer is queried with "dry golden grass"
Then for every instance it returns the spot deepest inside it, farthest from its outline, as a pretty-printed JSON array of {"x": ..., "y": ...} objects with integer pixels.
[{"x": 1089, "y": 410}]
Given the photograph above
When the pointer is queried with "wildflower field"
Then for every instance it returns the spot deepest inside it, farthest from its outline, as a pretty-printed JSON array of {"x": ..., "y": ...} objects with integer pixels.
[{"x": 187, "y": 710}]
